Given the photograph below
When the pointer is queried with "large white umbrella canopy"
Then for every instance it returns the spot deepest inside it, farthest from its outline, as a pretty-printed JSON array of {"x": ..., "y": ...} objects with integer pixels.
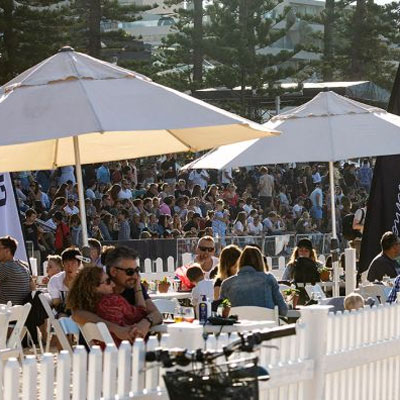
[
  {"x": 329, "y": 127},
  {"x": 116, "y": 113},
  {"x": 74, "y": 109}
]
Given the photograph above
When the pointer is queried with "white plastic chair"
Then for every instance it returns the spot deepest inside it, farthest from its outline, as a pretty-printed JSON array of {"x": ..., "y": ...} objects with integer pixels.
[
  {"x": 254, "y": 313},
  {"x": 380, "y": 292},
  {"x": 55, "y": 323},
  {"x": 18, "y": 316},
  {"x": 98, "y": 331},
  {"x": 315, "y": 291}
]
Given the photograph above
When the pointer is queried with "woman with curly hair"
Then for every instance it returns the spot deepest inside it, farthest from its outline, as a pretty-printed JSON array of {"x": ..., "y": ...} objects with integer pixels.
[{"x": 92, "y": 290}]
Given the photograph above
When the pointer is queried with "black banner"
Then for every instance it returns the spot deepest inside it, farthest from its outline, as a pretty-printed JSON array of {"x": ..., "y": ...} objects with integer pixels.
[{"x": 383, "y": 209}]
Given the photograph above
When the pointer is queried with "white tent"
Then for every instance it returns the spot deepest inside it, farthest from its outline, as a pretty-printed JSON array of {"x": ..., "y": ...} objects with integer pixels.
[
  {"x": 329, "y": 127},
  {"x": 72, "y": 109}
]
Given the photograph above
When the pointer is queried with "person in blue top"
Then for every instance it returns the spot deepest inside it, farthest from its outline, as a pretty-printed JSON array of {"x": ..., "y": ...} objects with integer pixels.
[
  {"x": 103, "y": 174},
  {"x": 253, "y": 285}
]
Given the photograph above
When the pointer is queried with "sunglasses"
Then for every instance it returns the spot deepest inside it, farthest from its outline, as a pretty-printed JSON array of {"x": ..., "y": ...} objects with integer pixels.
[
  {"x": 129, "y": 271},
  {"x": 209, "y": 249},
  {"x": 106, "y": 282}
]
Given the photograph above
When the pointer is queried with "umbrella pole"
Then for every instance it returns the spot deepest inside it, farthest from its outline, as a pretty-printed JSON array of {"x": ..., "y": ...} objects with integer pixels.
[
  {"x": 82, "y": 207},
  {"x": 334, "y": 240}
]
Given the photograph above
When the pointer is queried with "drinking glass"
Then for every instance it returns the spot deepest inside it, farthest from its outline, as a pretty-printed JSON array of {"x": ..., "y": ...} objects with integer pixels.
[{"x": 188, "y": 314}]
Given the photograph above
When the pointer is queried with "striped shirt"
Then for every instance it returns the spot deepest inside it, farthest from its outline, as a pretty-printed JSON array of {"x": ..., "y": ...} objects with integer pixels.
[{"x": 14, "y": 282}]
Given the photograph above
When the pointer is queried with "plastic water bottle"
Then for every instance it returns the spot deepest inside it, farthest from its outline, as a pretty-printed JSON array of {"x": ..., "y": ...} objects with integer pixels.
[{"x": 204, "y": 310}]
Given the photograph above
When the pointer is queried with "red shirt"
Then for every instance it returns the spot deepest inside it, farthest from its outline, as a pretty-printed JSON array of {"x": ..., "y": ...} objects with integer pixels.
[{"x": 115, "y": 308}]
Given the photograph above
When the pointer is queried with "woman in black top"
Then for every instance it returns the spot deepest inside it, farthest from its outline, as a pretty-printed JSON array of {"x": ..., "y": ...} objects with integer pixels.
[{"x": 226, "y": 267}]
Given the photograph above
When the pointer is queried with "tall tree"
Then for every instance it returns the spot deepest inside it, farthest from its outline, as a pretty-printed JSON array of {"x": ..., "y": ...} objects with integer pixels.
[
  {"x": 23, "y": 27},
  {"x": 198, "y": 41},
  {"x": 239, "y": 36},
  {"x": 90, "y": 16}
]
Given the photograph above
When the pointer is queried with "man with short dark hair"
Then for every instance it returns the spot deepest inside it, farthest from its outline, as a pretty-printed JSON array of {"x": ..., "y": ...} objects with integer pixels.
[
  {"x": 385, "y": 262},
  {"x": 15, "y": 278},
  {"x": 121, "y": 264},
  {"x": 60, "y": 283}
]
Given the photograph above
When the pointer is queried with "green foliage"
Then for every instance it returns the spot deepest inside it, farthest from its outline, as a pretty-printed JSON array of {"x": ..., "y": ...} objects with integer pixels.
[{"x": 31, "y": 32}]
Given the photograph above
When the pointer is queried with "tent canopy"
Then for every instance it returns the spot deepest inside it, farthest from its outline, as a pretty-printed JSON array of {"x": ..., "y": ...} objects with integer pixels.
[{"x": 330, "y": 127}]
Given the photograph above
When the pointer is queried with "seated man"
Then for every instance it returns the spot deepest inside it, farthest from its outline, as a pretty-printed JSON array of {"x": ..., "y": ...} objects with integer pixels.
[
  {"x": 121, "y": 265},
  {"x": 60, "y": 283},
  {"x": 385, "y": 262},
  {"x": 15, "y": 278}
]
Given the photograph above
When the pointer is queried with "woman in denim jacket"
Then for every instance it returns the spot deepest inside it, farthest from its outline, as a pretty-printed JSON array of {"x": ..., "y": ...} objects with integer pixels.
[{"x": 252, "y": 285}]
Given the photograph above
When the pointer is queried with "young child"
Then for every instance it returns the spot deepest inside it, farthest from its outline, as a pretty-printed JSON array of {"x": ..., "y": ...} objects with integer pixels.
[
  {"x": 220, "y": 220},
  {"x": 203, "y": 287},
  {"x": 353, "y": 301}
]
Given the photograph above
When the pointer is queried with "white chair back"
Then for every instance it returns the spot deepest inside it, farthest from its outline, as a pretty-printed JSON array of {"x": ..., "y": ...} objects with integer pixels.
[
  {"x": 254, "y": 313},
  {"x": 4, "y": 319},
  {"x": 18, "y": 315},
  {"x": 55, "y": 323},
  {"x": 99, "y": 331},
  {"x": 315, "y": 291},
  {"x": 380, "y": 292}
]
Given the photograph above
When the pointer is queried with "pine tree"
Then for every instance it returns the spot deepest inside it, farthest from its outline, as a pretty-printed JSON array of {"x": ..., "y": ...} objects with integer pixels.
[
  {"x": 87, "y": 34},
  {"x": 32, "y": 30},
  {"x": 237, "y": 33}
]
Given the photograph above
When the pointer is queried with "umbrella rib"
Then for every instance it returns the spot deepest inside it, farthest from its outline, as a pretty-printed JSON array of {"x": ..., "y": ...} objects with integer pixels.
[
  {"x": 180, "y": 140},
  {"x": 55, "y": 154}
]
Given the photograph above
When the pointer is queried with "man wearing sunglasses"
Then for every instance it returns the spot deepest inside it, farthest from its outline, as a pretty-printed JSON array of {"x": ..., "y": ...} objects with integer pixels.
[
  {"x": 121, "y": 265},
  {"x": 205, "y": 251}
]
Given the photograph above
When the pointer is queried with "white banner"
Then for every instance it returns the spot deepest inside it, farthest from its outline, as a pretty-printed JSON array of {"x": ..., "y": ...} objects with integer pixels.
[{"x": 10, "y": 223}]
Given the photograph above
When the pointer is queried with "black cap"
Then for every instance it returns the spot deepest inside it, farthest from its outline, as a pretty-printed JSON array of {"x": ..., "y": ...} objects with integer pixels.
[{"x": 306, "y": 243}]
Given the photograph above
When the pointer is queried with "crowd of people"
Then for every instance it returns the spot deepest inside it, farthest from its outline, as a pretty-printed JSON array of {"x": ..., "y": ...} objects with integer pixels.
[
  {"x": 108, "y": 287},
  {"x": 157, "y": 199}
]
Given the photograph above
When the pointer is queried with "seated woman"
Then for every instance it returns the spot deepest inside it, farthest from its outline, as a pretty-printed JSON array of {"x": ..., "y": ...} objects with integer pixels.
[
  {"x": 253, "y": 286},
  {"x": 92, "y": 290},
  {"x": 303, "y": 267},
  {"x": 304, "y": 249},
  {"x": 227, "y": 266}
]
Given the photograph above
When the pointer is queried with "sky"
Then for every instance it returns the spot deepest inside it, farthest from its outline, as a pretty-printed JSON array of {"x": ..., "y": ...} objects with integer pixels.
[{"x": 383, "y": 1}]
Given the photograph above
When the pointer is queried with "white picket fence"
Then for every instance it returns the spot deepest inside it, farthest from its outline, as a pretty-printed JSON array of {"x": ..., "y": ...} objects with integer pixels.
[
  {"x": 156, "y": 270},
  {"x": 332, "y": 357}
]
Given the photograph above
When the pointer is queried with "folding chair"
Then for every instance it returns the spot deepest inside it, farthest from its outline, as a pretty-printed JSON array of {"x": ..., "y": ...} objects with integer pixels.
[
  {"x": 57, "y": 326},
  {"x": 98, "y": 331},
  {"x": 18, "y": 316}
]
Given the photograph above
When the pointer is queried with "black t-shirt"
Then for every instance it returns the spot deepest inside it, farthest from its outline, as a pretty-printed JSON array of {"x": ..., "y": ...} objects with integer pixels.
[
  {"x": 31, "y": 234},
  {"x": 181, "y": 193},
  {"x": 129, "y": 294}
]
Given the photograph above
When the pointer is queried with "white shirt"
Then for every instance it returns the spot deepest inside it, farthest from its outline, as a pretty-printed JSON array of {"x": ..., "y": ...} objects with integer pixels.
[
  {"x": 247, "y": 208},
  {"x": 203, "y": 288},
  {"x": 199, "y": 178},
  {"x": 71, "y": 210},
  {"x": 56, "y": 287},
  {"x": 238, "y": 227},
  {"x": 125, "y": 194},
  {"x": 255, "y": 229},
  {"x": 226, "y": 175}
]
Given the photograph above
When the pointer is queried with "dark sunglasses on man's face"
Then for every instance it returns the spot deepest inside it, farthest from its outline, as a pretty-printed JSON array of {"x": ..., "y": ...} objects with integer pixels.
[
  {"x": 210, "y": 249},
  {"x": 129, "y": 271}
]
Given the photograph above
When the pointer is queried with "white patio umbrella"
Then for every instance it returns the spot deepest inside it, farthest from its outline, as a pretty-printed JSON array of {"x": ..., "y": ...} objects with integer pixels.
[
  {"x": 328, "y": 128},
  {"x": 74, "y": 109}
]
